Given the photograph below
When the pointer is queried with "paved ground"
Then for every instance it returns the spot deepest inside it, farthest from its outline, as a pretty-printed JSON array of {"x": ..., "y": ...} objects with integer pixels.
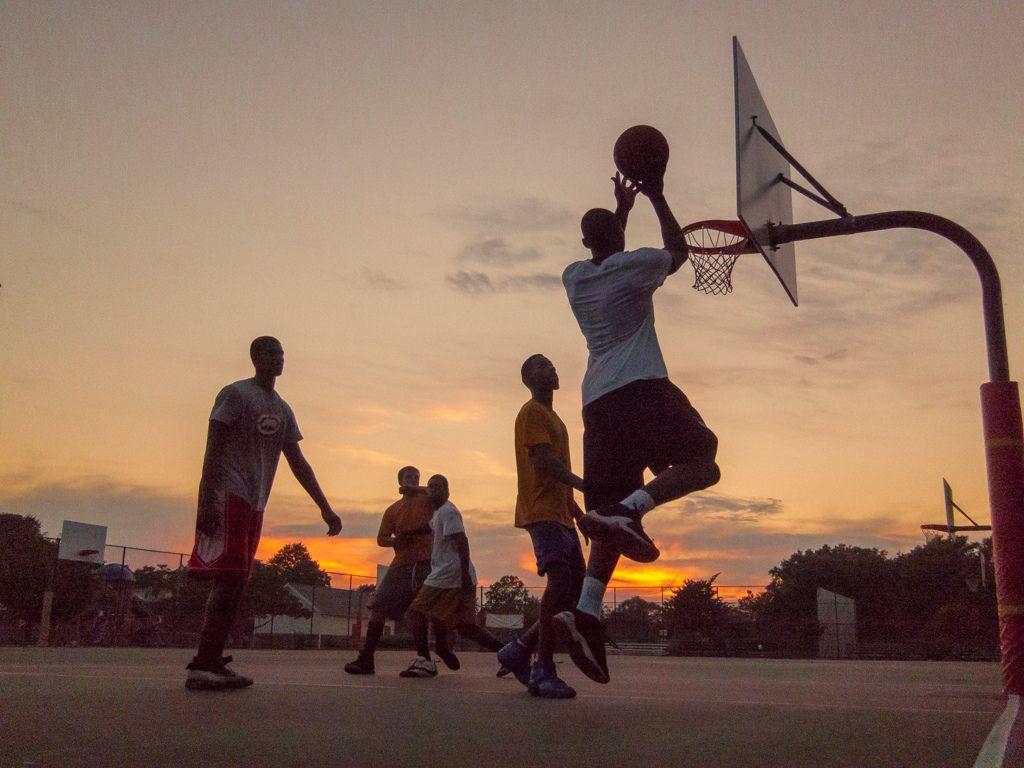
[{"x": 128, "y": 707}]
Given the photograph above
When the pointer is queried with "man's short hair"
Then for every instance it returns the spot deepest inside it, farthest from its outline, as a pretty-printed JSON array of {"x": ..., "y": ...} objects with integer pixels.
[
  {"x": 527, "y": 368},
  {"x": 403, "y": 470},
  {"x": 597, "y": 221},
  {"x": 259, "y": 344},
  {"x": 442, "y": 478}
]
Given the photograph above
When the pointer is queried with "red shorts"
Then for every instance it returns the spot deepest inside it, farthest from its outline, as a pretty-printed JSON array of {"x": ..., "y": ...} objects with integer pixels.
[{"x": 232, "y": 549}]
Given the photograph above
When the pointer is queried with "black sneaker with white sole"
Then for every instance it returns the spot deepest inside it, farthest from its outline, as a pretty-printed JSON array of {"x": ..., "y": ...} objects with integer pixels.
[
  {"x": 584, "y": 635},
  {"x": 214, "y": 676},
  {"x": 620, "y": 527}
]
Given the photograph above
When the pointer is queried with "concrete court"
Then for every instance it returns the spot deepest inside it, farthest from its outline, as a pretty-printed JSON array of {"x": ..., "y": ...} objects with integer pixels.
[{"x": 128, "y": 707}]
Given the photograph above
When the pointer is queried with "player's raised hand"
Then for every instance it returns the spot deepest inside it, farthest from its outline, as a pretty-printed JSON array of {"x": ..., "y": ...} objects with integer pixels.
[
  {"x": 652, "y": 187},
  {"x": 333, "y": 521},
  {"x": 625, "y": 192}
]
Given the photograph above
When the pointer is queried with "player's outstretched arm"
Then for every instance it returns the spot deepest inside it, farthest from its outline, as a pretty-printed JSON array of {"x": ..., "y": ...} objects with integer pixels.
[
  {"x": 671, "y": 232},
  {"x": 545, "y": 462},
  {"x": 307, "y": 479},
  {"x": 625, "y": 196}
]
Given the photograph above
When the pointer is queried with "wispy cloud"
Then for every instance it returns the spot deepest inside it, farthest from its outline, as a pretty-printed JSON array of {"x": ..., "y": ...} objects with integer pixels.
[
  {"x": 481, "y": 284},
  {"x": 496, "y": 251},
  {"x": 379, "y": 280},
  {"x": 526, "y": 214},
  {"x": 366, "y": 454},
  {"x": 456, "y": 413},
  {"x": 50, "y": 217},
  {"x": 734, "y": 509}
]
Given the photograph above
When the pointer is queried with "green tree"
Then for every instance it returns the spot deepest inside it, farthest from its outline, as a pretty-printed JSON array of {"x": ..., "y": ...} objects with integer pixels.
[
  {"x": 28, "y": 562},
  {"x": 787, "y": 611},
  {"x": 509, "y": 595},
  {"x": 940, "y": 601},
  {"x": 267, "y": 594},
  {"x": 25, "y": 561},
  {"x": 297, "y": 566},
  {"x": 635, "y": 620},
  {"x": 698, "y": 620}
]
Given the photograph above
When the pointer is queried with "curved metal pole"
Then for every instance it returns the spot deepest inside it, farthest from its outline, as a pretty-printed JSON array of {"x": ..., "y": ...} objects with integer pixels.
[
  {"x": 991, "y": 291},
  {"x": 1004, "y": 456}
]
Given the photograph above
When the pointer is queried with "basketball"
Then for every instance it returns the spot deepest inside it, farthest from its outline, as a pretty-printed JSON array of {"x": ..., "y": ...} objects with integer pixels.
[{"x": 641, "y": 153}]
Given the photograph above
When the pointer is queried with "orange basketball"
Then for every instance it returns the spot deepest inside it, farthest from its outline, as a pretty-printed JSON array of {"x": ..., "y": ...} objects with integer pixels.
[{"x": 641, "y": 153}]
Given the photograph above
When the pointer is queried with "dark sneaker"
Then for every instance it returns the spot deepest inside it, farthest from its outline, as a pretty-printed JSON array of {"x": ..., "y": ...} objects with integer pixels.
[
  {"x": 620, "y": 526},
  {"x": 420, "y": 667},
  {"x": 536, "y": 675},
  {"x": 214, "y": 676},
  {"x": 450, "y": 659},
  {"x": 515, "y": 657},
  {"x": 548, "y": 685},
  {"x": 585, "y": 637},
  {"x": 361, "y": 666}
]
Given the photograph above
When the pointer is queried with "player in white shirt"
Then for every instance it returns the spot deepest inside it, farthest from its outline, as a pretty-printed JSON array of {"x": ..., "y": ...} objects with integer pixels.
[
  {"x": 634, "y": 418},
  {"x": 448, "y": 595}
]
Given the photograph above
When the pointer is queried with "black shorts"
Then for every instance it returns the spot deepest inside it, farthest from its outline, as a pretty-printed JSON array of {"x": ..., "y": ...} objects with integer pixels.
[
  {"x": 398, "y": 589},
  {"x": 646, "y": 423}
]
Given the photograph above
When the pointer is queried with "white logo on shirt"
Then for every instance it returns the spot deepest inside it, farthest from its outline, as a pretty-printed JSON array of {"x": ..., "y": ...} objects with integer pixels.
[{"x": 268, "y": 424}]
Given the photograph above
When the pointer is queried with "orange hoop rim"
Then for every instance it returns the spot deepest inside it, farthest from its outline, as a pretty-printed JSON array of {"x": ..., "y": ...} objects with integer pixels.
[{"x": 718, "y": 237}]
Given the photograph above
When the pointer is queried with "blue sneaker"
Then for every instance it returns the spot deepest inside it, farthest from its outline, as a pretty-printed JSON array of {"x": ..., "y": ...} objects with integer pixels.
[
  {"x": 515, "y": 657},
  {"x": 548, "y": 685}
]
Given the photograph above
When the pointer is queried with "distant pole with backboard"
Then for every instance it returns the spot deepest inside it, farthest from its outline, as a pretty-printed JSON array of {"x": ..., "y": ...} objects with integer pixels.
[
  {"x": 80, "y": 542},
  {"x": 764, "y": 206}
]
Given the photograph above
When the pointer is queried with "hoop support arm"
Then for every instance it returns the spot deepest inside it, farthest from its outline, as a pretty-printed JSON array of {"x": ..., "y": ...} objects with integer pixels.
[
  {"x": 829, "y": 202},
  {"x": 991, "y": 291}
]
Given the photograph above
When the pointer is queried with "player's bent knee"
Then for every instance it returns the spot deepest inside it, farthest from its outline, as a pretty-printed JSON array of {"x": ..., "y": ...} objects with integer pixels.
[{"x": 714, "y": 474}]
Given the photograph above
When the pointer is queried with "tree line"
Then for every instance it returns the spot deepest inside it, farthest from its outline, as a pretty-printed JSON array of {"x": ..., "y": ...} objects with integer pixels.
[{"x": 935, "y": 601}]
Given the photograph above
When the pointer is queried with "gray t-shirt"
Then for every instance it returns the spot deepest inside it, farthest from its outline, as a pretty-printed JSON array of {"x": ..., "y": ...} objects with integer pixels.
[
  {"x": 614, "y": 305},
  {"x": 260, "y": 424},
  {"x": 445, "y": 566}
]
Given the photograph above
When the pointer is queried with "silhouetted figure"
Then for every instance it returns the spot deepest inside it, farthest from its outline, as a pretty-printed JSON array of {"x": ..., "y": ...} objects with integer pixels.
[
  {"x": 634, "y": 418},
  {"x": 250, "y": 427},
  {"x": 405, "y": 527},
  {"x": 545, "y": 507},
  {"x": 448, "y": 595}
]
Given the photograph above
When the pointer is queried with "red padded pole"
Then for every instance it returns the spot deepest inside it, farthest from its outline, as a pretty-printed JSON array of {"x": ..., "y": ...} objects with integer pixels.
[{"x": 1004, "y": 455}]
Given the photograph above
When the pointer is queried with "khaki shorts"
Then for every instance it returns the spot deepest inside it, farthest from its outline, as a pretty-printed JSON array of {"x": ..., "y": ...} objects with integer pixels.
[{"x": 452, "y": 607}]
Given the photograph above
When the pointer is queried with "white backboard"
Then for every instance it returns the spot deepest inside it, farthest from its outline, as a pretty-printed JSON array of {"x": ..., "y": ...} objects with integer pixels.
[
  {"x": 760, "y": 197},
  {"x": 82, "y": 542}
]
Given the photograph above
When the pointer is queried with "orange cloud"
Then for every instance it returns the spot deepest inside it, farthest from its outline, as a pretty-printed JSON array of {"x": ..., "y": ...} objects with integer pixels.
[{"x": 458, "y": 414}]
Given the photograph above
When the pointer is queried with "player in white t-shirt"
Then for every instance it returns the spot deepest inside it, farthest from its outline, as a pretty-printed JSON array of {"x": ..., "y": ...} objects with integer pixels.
[
  {"x": 634, "y": 418},
  {"x": 250, "y": 427},
  {"x": 448, "y": 594}
]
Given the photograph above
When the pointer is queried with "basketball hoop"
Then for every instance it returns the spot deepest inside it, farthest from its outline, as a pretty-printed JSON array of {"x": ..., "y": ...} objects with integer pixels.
[
  {"x": 714, "y": 246},
  {"x": 932, "y": 535}
]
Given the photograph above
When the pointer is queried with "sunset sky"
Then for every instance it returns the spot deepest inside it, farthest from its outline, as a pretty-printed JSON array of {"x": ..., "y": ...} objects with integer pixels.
[{"x": 393, "y": 190}]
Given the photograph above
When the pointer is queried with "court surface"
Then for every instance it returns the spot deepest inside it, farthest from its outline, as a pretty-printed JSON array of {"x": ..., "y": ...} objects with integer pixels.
[{"x": 129, "y": 707}]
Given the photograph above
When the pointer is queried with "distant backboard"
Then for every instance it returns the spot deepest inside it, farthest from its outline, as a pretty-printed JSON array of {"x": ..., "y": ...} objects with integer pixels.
[
  {"x": 760, "y": 197},
  {"x": 82, "y": 542}
]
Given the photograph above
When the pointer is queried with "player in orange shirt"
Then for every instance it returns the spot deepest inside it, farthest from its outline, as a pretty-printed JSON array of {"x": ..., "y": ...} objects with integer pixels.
[{"x": 406, "y": 528}]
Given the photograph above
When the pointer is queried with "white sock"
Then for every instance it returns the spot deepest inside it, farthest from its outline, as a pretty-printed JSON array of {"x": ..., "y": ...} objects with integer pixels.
[
  {"x": 639, "y": 500},
  {"x": 591, "y": 596}
]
